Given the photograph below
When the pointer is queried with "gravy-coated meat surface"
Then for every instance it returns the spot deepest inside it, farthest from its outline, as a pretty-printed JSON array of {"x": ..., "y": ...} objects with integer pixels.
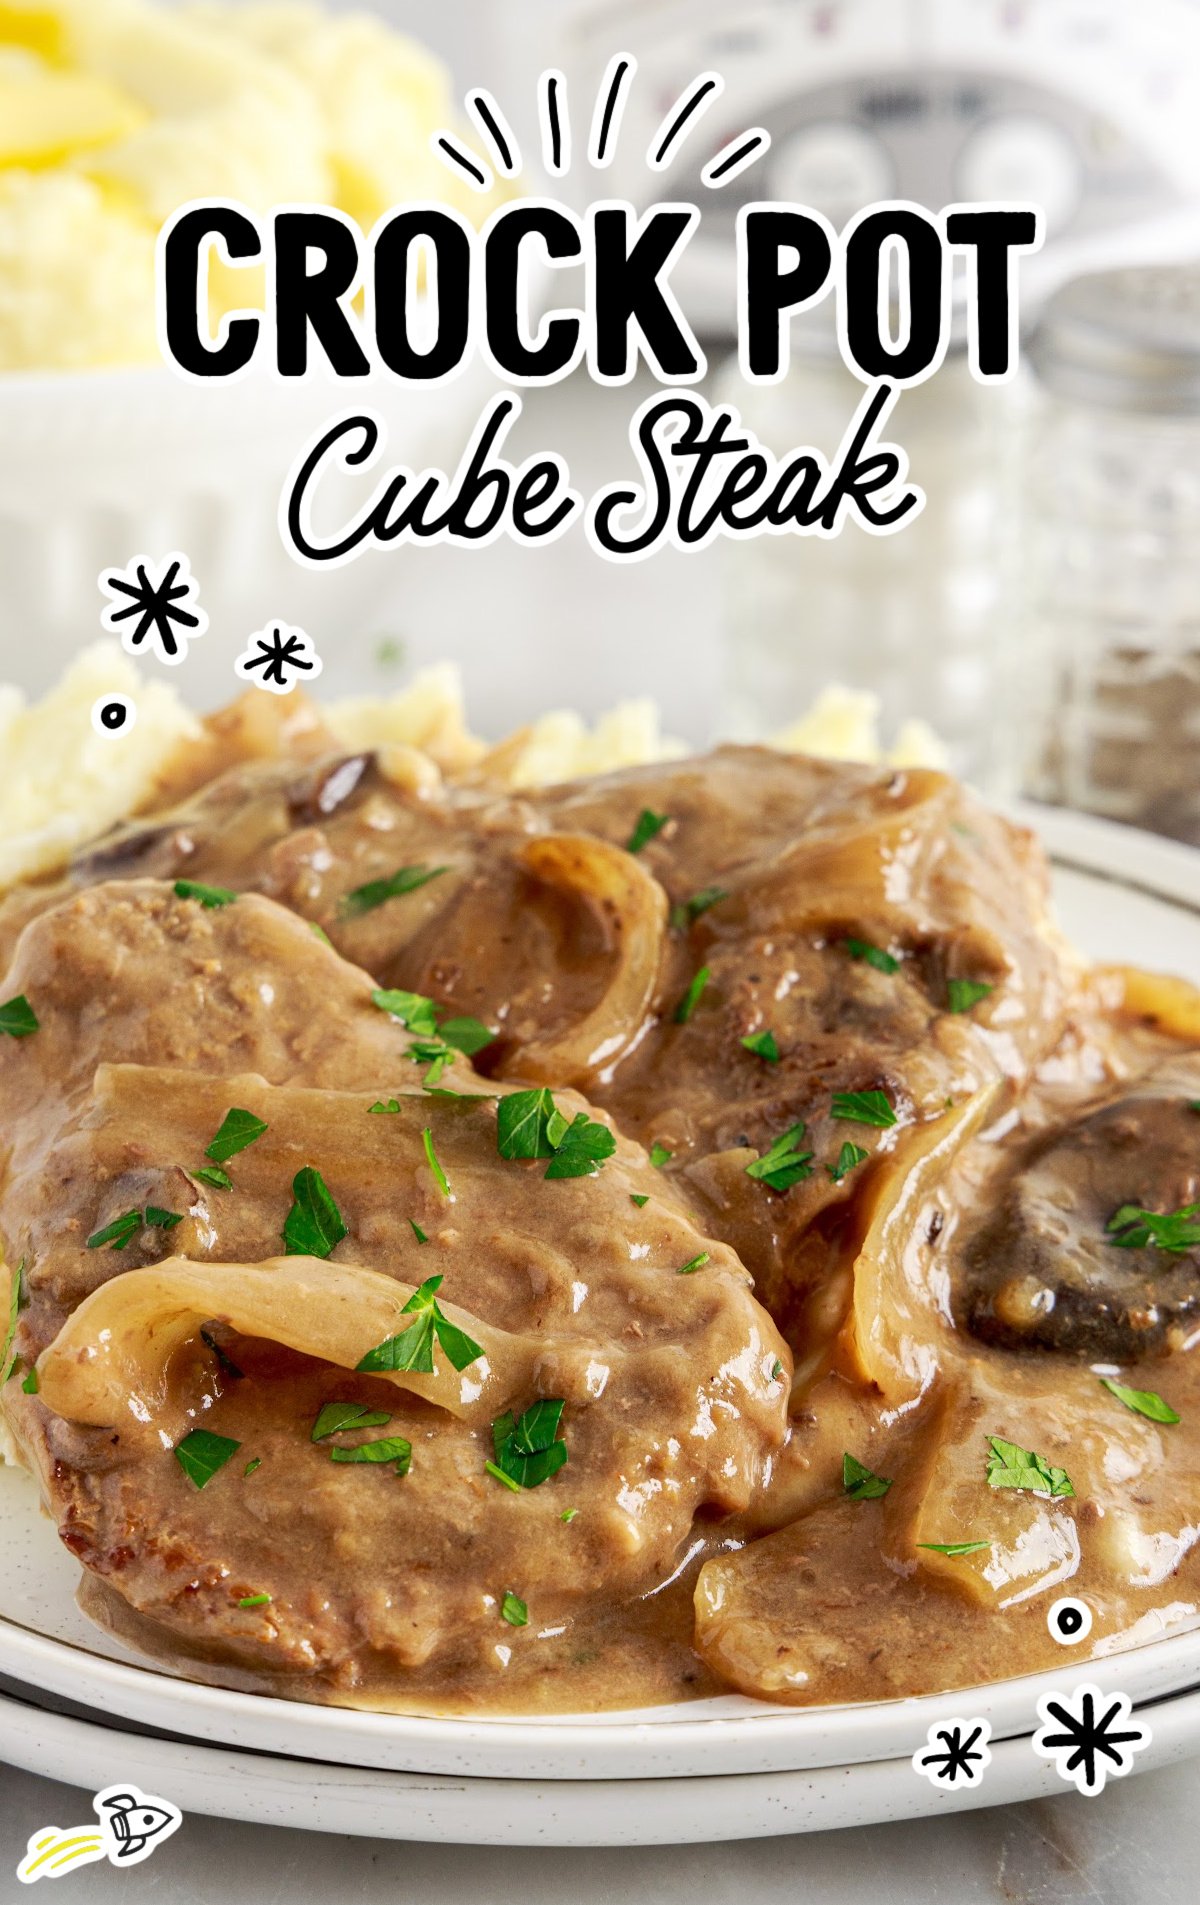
[{"x": 697, "y": 1228}]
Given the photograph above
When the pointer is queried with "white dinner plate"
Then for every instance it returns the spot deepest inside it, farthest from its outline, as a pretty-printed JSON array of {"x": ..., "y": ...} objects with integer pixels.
[
  {"x": 1123, "y": 896},
  {"x": 271, "y": 1790}
]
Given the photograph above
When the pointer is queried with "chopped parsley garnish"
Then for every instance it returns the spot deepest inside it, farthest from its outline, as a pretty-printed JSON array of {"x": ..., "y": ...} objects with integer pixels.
[
  {"x": 640, "y": 1198},
  {"x": 30, "y": 1384},
  {"x": 413, "y": 1010},
  {"x": 861, "y": 1483},
  {"x": 568, "y": 1514},
  {"x": 467, "y": 1035},
  {"x": 527, "y": 1449},
  {"x": 392, "y": 1105},
  {"x": 648, "y": 824},
  {"x": 314, "y": 1224},
  {"x": 585, "y": 1147},
  {"x": 417, "y": 1232},
  {"x": 214, "y": 1175},
  {"x": 691, "y": 998},
  {"x": 763, "y": 1045},
  {"x": 659, "y": 1155},
  {"x": 954, "y": 1547},
  {"x": 432, "y": 1052},
  {"x": 18, "y": 1017},
  {"x": 962, "y": 994},
  {"x": 872, "y": 955},
  {"x": 413, "y": 1347},
  {"x": 318, "y": 932},
  {"x": 849, "y": 1158},
  {"x": 1144, "y": 1402},
  {"x": 125, "y": 1228},
  {"x": 254, "y": 1462},
  {"x": 434, "y": 1162},
  {"x": 201, "y": 1454},
  {"x": 863, "y": 1107},
  {"x": 120, "y": 1232},
  {"x": 498, "y": 1475},
  {"x": 336, "y": 1416},
  {"x": 238, "y": 1130},
  {"x": 688, "y": 911},
  {"x": 694, "y": 1263},
  {"x": 776, "y": 1370},
  {"x": 8, "y": 1361},
  {"x": 514, "y": 1611},
  {"x": 207, "y": 896},
  {"x": 364, "y": 899},
  {"x": 254, "y": 1600},
  {"x": 1132, "y": 1228},
  {"x": 389, "y": 1448},
  {"x": 1012, "y": 1467},
  {"x": 162, "y": 1219},
  {"x": 784, "y": 1164},
  {"x": 530, "y": 1125}
]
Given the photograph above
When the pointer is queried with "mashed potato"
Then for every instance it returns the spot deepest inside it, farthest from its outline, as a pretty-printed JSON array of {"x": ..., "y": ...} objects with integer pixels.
[
  {"x": 114, "y": 112},
  {"x": 63, "y": 784}
]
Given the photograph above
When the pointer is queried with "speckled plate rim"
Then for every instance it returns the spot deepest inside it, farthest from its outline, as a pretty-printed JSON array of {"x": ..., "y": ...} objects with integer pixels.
[{"x": 723, "y": 1737}]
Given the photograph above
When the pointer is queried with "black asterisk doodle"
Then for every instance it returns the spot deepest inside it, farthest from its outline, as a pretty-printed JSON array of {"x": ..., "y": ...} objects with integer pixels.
[
  {"x": 956, "y": 1754},
  {"x": 1089, "y": 1735},
  {"x": 278, "y": 657},
  {"x": 153, "y": 606}
]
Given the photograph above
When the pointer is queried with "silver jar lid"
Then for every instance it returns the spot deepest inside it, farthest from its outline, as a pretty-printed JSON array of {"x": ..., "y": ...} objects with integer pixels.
[{"x": 1126, "y": 340}]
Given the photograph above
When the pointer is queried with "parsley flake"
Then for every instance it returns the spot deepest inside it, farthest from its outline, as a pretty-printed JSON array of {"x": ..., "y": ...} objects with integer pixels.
[
  {"x": 413, "y": 1348},
  {"x": 434, "y": 1162},
  {"x": 209, "y": 897},
  {"x": 659, "y": 1155},
  {"x": 314, "y": 1225},
  {"x": 1012, "y": 1467},
  {"x": 30, "y": 1384},
  {"x": 954, "y": 1547},
  {"x": 784, "y": 1164},
  {"x": 238, "y": 1130},
  {"x": 336, "y": 1416},
  {"x": 689, "y": 911},
  {"x": 214, "y": 1175},
  {"x": 364, "y": 899},
  {"x": 514, "y": 1611},
  {"x": 763, "y": 1045},
  {"x": 162, "y": 1219},
  {"x": 1143, "y": 1402},
  {"x": 254, "y": 1462},
  {"x": 849, "y": 1158},
  {"x": 467, "y": 1035},
  {"x": 254, "y": 1600},
  {"x": 962, "y": 994},
  {"x": 694, "y": 1263},
  {"x": 201, "y": 1454},
  {"x": 413, "y": 1010},
  {"x": 863, "y": 1107},
  {"x": 119, "y": 1233},
  {"x": 417, "y": 1232},
  {"x": 392, "y": 1106},
  {"x": 691, "y": 998},
  {"x": 8, "y": 1361},
  {"x": 640, "y": 1198},
  {"x": 530, "y": 1125},
  {"x": 861, "y": 1483},
  {"x": 1177, "y": 1231},
  {"x": 568, "y": 1514},
  {"x": 389, "y": 1448},
  {"x": 872, "y": 955},
  {"x": 648, "y": 824},
  {"x": 527, "y": 1449},
  {"x": 18, "y": 1018}
]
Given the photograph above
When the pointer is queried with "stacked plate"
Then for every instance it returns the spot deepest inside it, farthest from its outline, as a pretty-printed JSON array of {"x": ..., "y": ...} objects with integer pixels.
[{"x": 76, "y": 1706}]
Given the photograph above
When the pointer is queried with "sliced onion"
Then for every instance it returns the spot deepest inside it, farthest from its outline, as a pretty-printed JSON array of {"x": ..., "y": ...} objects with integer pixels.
[
  {"x": 891, "y": 1335},
  {"x": 112, "y": 1359},
  {"x": 632, "y": 910}
]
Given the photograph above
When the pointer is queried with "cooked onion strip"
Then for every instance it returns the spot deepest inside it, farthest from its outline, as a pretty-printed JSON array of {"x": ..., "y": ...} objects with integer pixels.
[
  {"x": 632, "y": 909},
  {"x": 891, "y": 1334},
  {"x": 112, "y": 1359}
]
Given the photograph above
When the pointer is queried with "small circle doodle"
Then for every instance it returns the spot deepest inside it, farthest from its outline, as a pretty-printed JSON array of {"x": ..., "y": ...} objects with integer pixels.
[
  {"x": 1069, "y": 1621},
  {"x": 113, "y": 714}
]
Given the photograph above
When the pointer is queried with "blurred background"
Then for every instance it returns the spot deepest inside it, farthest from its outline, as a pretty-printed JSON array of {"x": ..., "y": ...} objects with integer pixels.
[{"x": 1042, "y": 616}]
